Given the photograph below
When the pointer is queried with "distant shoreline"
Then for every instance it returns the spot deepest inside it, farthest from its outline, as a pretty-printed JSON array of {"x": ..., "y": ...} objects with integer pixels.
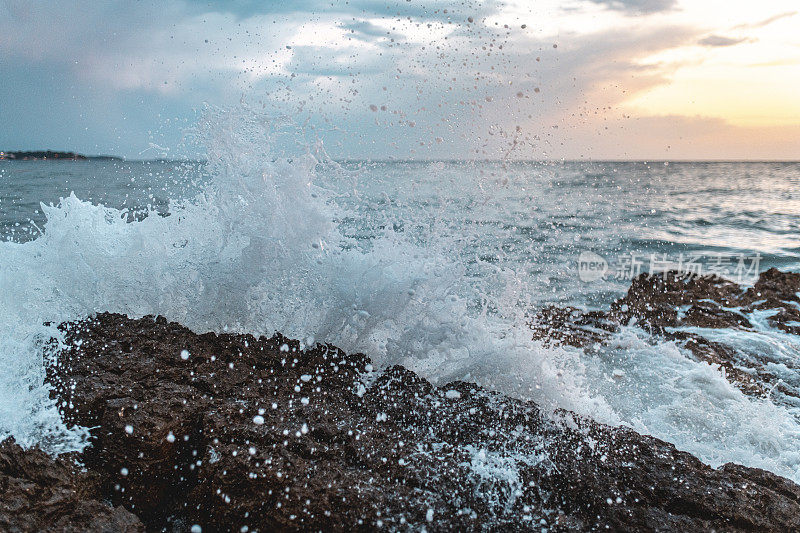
[{"x": 51, "y": 155}]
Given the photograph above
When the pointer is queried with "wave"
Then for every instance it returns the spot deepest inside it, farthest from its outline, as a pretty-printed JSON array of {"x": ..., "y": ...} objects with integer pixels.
[{"x": 260, "y": 250}]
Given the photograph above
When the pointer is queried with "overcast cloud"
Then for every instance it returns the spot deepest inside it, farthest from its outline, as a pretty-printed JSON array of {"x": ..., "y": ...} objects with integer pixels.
[{"x": 373, "y": 78}]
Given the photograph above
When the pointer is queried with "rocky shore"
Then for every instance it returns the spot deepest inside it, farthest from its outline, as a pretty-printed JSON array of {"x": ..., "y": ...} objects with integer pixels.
[
  {"x": 230, "y": 432},
  {"x": 680, "y": 309}
]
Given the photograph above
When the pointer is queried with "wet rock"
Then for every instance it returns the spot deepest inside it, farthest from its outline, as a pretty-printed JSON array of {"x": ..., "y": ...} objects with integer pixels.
[
  {"x": 655, "y": 302},
  {"x": 750, "y": 380},
  {"x": 667, "y": 304},
  {"x": 230, "y": 432},
  {"x": 778, "y": 291},
  {"x": 711, "y": 302},
  {"x": 777, "y": 285},
  {"x": 40, "y": 493},
  {"x": 571, "y": 326}
]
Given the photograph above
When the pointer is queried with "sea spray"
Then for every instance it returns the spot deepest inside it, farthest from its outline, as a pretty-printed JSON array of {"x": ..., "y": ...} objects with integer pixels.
[
  {"x": 268, "y": 245},
  {"x": 257, "y": 251}
]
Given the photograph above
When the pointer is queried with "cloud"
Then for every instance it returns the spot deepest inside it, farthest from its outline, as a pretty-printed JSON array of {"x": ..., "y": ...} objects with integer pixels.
[
  {"x": 720, "y": 40},
  {"x": 789, "y": 61},
  {"x": 366, "y": 30},
  {"x": 373, "y": 78},
  {"x": 765, "y": 22},
  {"x": 638, "y": 6},
  {"x": 682, "y": 138},
  {"x": 430, "y": 9}
]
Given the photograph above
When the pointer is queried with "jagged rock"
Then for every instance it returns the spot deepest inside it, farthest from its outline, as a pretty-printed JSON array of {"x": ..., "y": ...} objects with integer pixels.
[
  {"x": 41, "y": 493},
  {"x": 662, "y": 303},
  {"x": 777, "y": 290},
  {"x": 571, "y": 326},
  {"x": 655, "y": 302},
  {"x": 238, "y": 431}
]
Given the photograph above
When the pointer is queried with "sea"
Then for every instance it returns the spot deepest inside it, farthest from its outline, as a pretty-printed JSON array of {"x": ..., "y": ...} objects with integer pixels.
[{"x": 436, "y": 265}]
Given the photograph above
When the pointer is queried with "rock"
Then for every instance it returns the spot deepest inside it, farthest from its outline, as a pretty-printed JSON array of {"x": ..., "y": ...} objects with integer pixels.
[
  {"x": 257, "y": 433},
  {"x": 781, "y": 286},
  {"x": 40, "y": 493},
  {"x": 777, "y": 290},
  {"x": 654, "y": 302},
  {"x": 571, "y": 326},
  {"x": 663, "y": 304},
  {"x": 713, "y": 302}
]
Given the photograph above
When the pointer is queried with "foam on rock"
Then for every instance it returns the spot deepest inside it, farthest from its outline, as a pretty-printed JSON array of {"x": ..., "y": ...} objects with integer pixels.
[{"x": 369, "y": 448}]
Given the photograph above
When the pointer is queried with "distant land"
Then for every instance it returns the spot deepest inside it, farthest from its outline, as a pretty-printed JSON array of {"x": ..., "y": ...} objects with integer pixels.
[{"x": 46, "y": 155}]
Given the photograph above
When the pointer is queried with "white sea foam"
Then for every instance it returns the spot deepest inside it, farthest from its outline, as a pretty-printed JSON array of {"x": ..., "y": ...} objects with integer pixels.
[
  {"x": 664, "y": 392},
  {"x": 259, "y": 251}
]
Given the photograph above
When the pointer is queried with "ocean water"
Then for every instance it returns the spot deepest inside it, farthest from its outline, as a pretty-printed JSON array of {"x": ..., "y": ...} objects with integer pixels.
[{"x": 434, "y": 265}]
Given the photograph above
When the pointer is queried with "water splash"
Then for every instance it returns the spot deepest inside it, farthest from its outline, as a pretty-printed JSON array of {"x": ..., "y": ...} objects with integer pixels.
[
  {"x": 257, "y": 251},
  {"x": 262, "y": 249}
]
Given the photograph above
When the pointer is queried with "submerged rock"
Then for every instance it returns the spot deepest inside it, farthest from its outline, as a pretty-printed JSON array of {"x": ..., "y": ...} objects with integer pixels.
[
  {"x": 230, "y": 432},
  {"x": 674, "y": 307}
]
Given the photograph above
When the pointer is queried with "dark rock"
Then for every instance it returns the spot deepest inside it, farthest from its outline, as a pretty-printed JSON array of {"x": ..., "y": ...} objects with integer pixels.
[
  {"x": 714, "y": 302},
  {"x": 654, "y": 302},
  {"x": 274, "y": 438},
  {"x": 571, "y": 326},
  {"x": 776, "y": 284},
  {"x": 705, "y": 315},
  {"x": 41, "y": 493},
  {"x": 726, "y": 357},
  {"x": 663, "y": 304},
  {"x": 777, "y": 290}
]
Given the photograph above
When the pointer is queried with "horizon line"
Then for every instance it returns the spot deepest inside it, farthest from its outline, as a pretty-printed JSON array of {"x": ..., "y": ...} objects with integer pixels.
[{"x": 112, "y": 158}]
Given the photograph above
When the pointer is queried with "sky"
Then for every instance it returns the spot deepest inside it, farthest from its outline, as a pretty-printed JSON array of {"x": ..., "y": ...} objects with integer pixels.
[{"x": 409, "y": 79}]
